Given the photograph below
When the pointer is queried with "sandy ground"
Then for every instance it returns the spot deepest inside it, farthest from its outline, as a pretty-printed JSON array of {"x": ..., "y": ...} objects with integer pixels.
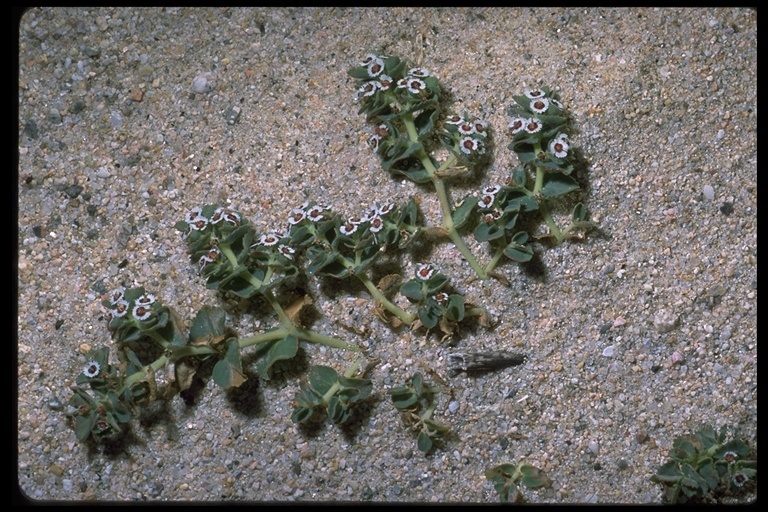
[{"x": 633, "y": 338}]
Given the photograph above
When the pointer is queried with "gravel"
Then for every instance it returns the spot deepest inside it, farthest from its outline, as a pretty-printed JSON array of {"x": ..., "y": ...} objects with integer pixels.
[{"x": 129, "y": 117}]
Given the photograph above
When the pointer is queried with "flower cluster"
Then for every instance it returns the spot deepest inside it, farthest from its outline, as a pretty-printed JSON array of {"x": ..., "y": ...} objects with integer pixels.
[
  {"x": 469, "y": 135},
  {"x": 387, "y": 83},
  {"x": 705, "y": 464},
  {"x": 538, "y": 120}
]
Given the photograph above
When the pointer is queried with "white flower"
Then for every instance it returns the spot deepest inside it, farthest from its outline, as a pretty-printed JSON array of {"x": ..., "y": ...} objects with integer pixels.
[
  {"x": 375, "y": 67},
  {"x": 269, "y": 239},
  {"x": 419, "y": 72},
  {"x": 121, "y": 308},
  {"x": 533, "y": 125},
  {"x": 193, "y": 214},
  {"x": 539, "y": 105},
  {"x": 559, "y": 147},
  {"x": 116, "y": 294},
  {"x": 91, "y": 370},
  {"x": 425, "y": 271},
  {"x": 141, "y": 312},
  {"x": 315, "y": 213},
  {"x": 286, "y": 251},
  {"x": 297, "y": 215},
  {"x": 376, "y": 224},
  {"x": 146, "y": 299},
  {"x": 348, "y": 228},
  {"x": 534, "y": 93},
  {"x": 517, "y": 124}
]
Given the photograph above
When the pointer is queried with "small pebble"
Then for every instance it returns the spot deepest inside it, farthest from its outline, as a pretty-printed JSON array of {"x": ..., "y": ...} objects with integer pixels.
[
  {"x": 608, "y": 351},
  {"x": 202, "y": 83},
  {"x": 709, "y": 192}
]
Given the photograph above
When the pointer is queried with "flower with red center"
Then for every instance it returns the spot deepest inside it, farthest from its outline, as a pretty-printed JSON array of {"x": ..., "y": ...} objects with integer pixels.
[
  {"x": 141, "y": 312},
  {"x": 419, "y": 72},
  {"x": 269, "y": 239},
  {"x": 193, "y": 214},
  {"x": 441, "y": 298},
  {"x": 739, "y": 479},
  {"x": 116, "y": 294},
  {"x": 146, "y": 299},
  {"x": 375, "y": 67},
  {"x": 539, "y": 105},
  {"x": 533, "y": 125},
  {"x": 481, "y": 127},
  {"x": 556, "y": 103},
  {"x": 315, "y": 213},
  {"x": 297, "y": 215},
  {"x": 455, "y": 119},
  {"x": 486, "y": 201},
  {"x": 386, "y": 208},
  {"x": 91, "y": 370},
  {"x": 559, "y": 147},
  {"x": 199, "y": 223},
  {"x": 347, "y": 228},
  {"x": 376, "y": 224},
  {"x": 534, "y": 93},
  {"x": 491, "y": 191},
  {"x": 414, "y": 85},
  {"x": 425, "y": 271},
  {"x": 468, "y": 145},
  {"x": 385, "y": 81},
  {"x": 286, "y": 251},
  {"x": 368, "y": 59},
  {"x": 121, "y": 308},
  {"x": 517, "y": 124},
  {"x": 467, "y": 128},
  {"x": 730, "y": 457},
  {"x": 356, "y": 219},
  {"x": 367, "y": 89}
]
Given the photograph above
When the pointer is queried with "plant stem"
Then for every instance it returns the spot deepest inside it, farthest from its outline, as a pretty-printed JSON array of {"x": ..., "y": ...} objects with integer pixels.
[
  {"x": 495, "y": 260},
  {"x": 305, "y": 334},
  {"x": 543, "y": 208},
  {"x": 442, "y": 195},
  {"x": 404, "y": 316}
]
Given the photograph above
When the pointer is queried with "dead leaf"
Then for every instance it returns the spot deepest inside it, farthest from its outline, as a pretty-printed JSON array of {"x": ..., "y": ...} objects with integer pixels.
[
  {"x": 295, "y": 308},
  {"x": 238, "y": 377},
  {"x": 185, "y": 371},
  {"x": 389, "y": 284}
]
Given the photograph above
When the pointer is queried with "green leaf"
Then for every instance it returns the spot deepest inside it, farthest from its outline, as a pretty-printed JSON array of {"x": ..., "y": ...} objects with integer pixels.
[
  {"x": 228, "y": 372},
  {"x": 413, "y": 290},
  {"x": 557, "y": 184},
  {"x": 322, "y": 378},
  {"x": 710, "y": 475},
  {"x": 209, "y": 324},
  {"x": 424, "y": 442},
  {"x": 517, "y": 251},
  {"x": 435, "y": 283},
  {"x": 403, "y": 397},
  {"x": 463, "y": 211},
  {"x": 302, "y": 414},
  {"x": 429, "y": 316},
  {"x": 454, "y": 310},
  {"x": 485, "y": 232},
  {"x": 274, "y": 351},
  {"x": 579, "y": 213},
  {"x": 417, "y": 174}
]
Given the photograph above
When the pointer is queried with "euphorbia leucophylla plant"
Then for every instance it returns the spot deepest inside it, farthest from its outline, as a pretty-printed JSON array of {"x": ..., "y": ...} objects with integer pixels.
[{"x": 413, "y": 136}]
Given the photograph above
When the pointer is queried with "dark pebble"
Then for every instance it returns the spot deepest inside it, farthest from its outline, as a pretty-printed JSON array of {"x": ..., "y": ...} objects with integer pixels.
[
  {"x": 367, "y": 493},
  {"x": 622, "y": 464},
  {"x": 73, "y": 190},
  {"x": 726, "y": 209},
  {"x": 77, "y": 106},
  {"x": 606, "y": 326},
  {"x": 30, "y": 128},
  {"x": 37, "y": 231},
  {"x": 597, "y": 466}
]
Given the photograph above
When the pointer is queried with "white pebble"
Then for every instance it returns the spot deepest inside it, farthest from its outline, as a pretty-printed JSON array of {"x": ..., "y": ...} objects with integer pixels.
[
  {"x": 709, "y": 192},
  {"x": 202, "y": 83},
  {"x": 608, "y": 351}
]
